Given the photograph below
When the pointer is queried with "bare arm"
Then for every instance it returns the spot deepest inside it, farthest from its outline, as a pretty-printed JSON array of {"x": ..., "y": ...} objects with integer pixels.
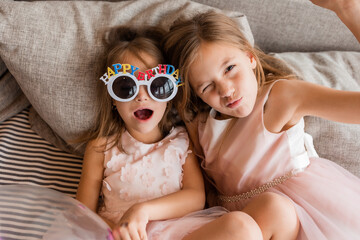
[
  {"x": 291, "y": 100},
  {"x": 91, "y": 176},
  {"x": 347, "y": 10},
  {"x": 328, "y": 103}
]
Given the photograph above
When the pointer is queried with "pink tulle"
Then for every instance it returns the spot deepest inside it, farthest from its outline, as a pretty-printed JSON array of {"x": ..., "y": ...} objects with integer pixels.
[{"x": 176, "y": 229}]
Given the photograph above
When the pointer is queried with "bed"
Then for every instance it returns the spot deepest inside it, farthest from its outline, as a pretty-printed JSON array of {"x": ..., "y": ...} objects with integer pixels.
[{"x": 50, "y": 51}]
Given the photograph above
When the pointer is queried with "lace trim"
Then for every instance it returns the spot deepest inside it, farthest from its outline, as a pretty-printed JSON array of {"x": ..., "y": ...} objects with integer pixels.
[{"x": 258, "y": 190}]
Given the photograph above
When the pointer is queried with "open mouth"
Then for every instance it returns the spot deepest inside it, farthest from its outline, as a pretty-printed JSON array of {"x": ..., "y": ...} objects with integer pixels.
[{"x": 143, "y": 114}]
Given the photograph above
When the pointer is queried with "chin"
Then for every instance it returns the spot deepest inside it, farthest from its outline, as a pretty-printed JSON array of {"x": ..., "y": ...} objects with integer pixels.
[
  {"x": 243, "y": 113},
  {"x": 146, "y": 130}
]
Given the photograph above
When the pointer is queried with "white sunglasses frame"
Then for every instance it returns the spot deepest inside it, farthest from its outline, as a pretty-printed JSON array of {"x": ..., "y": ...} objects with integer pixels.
[{"x": 138, "y": 83}]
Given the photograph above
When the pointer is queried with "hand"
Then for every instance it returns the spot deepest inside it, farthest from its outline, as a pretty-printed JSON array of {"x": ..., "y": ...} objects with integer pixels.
[{"x": 132, "y": 225}]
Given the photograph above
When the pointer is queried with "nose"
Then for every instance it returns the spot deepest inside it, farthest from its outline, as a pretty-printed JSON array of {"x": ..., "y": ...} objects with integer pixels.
[
  {"x": 225, "y": 89},
  {"x": 142, "y": 95}
]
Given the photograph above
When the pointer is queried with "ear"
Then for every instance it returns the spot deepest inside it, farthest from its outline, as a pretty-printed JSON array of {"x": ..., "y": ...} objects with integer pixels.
[{"x": 252, "y": 60}]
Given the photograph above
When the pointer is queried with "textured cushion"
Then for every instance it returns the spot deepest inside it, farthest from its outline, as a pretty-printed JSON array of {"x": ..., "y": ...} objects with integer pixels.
[
  {"x": 293, "y": 25},
  {"x": 52, "y": 50},
  {"x": 338, "y": 142},
  {"x": 12, "y": 98}
]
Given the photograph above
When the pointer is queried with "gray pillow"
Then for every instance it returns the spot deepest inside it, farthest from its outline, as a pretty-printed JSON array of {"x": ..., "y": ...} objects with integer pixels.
[
  {"x": 338, "y": 142},
  {"x": 12, "y": 98},
  {"x": 52, "y": 50},
  {"x": 296, "y": 26}
]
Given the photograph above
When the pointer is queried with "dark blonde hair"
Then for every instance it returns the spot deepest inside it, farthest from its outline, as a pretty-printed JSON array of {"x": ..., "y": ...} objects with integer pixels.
[
  {"x": 120, "y": 43},
  {"x": 181, "y": 45}
]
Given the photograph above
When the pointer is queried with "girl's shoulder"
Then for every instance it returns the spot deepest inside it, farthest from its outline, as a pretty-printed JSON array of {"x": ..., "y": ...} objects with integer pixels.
[
  {"x": 285, "y": 91},
  {"x": 94, "y": 152},
  {"x": 290, "y": 92},
  {"x": 280, "y": 107},
  {"x": 98, "y": 144}
]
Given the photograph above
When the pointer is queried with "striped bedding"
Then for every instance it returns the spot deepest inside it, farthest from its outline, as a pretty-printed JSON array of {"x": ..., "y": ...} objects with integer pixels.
[
  {"x": 35, "y": 212},
  {"x": 26, "y": 158}
]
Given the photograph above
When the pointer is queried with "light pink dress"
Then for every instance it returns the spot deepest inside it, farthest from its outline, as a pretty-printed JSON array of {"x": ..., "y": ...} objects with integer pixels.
[
  {"x": 244, "y": 159},
  {"x": 149, "y": 171}
]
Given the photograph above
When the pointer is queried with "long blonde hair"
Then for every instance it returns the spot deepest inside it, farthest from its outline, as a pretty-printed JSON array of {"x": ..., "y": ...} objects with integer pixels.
[
  {"x": 120, "y": 42},
  {"x": 181, "y": 45}
]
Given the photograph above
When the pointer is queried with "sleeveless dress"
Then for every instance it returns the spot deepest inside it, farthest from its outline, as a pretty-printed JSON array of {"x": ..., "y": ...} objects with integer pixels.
[
  {"x": 145, "y": 172},
  {"x": 243, "y": 159}
]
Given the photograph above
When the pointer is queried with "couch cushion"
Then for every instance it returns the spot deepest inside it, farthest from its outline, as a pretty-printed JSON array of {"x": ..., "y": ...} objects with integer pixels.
[
  {"x": 338, "y": 142},
  {"x": 296, "y": 25},
  {"x": 12, "y": 98},
  {"x": 52, "y": 50}
]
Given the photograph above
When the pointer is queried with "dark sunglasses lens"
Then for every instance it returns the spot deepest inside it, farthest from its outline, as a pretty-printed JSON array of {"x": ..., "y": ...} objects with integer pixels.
[
  {"x": 124, "y": 87},
  {"x": 162, "y": 87}
]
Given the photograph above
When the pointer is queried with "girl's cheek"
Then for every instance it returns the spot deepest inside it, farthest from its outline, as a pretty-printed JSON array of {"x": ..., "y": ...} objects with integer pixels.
[{"x": 210, "y": 98}]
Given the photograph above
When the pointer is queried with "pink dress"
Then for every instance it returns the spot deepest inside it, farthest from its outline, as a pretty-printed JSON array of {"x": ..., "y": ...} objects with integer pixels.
[
  {"x": 149, "y": 171},
  {"x": 243, "y": 159}
]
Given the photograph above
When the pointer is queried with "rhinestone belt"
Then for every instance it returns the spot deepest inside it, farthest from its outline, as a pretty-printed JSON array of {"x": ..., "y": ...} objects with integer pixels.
[{"x": 258, "y": 190}]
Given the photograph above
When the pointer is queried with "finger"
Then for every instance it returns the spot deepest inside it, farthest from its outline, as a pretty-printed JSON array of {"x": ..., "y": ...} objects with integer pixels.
[
  {"x": 115, "y": 234},
  {"x": 143, "y": 234},
  {"x": 124, "y": 233},
  {"x": 133, "y": 232}
]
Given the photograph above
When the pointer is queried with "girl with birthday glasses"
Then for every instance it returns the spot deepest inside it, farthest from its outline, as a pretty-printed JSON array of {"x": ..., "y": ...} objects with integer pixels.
[{"x": 141, "y": 163}]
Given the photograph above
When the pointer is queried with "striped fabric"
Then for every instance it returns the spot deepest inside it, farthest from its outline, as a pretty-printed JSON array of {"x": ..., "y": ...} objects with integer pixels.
[
  {"x": 24, "y": 215},
  {"x": 26, "y": 158},
  {"x": 31, "y": 212}
]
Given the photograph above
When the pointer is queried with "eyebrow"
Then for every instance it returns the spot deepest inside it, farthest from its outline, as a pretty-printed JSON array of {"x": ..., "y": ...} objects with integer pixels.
[{"x": 226, "y": 61}]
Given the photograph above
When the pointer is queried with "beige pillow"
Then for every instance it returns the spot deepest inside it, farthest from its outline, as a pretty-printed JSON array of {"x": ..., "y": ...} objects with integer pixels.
[
  {"x": 52, "y": 50},
  {"x": 338, "y": 142}
]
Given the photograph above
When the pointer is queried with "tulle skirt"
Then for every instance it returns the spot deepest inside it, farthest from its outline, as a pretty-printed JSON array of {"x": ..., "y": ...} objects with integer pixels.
[
  {"x": 178, "y": 228},
  {"x": 327, "y": 200}
]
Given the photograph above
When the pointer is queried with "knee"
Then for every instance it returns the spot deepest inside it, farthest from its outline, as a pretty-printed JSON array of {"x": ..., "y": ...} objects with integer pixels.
[
  {"x": 275, "y": 204},
  {"x": 241, "y": 226},
  {"x": 281, "y": 212}
]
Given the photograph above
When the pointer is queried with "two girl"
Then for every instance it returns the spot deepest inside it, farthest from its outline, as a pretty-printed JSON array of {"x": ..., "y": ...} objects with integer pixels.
[
  {"x": 244, "y": 112},
  {"x": 142, "y": 165}
]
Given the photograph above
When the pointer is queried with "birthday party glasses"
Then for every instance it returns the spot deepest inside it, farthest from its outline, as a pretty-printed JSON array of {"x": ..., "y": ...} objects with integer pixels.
[{"x": 161, "y": 82}]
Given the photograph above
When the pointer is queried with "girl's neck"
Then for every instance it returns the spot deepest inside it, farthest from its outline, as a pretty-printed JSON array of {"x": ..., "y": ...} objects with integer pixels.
[{"x": 150, "y": 137}]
